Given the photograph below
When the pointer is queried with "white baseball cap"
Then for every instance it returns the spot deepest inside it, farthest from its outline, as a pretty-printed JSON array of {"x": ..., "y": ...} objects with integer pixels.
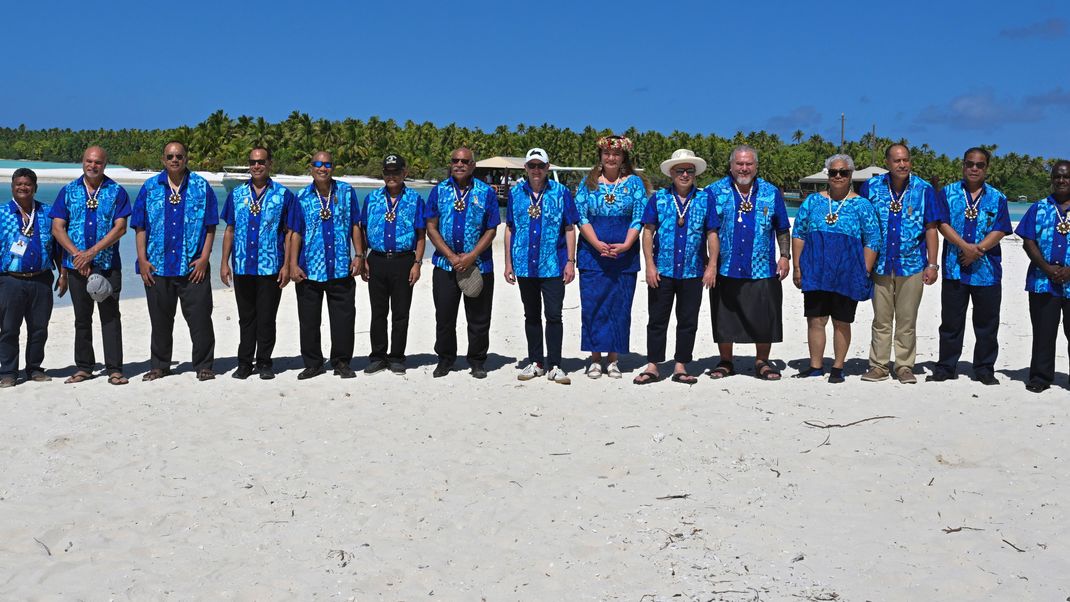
[{"x": 537, "y": 154}]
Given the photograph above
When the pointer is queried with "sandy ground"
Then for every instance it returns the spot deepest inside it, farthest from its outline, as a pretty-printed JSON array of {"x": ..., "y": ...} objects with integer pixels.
[{"x": 413, "y": 488}]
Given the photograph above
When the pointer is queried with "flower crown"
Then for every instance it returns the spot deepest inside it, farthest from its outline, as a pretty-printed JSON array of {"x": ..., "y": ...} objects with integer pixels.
[{"x": 621, "y": 142}]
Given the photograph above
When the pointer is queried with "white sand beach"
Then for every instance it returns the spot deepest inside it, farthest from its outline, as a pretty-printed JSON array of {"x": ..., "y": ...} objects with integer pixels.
[{"x": 413, "y": 488}]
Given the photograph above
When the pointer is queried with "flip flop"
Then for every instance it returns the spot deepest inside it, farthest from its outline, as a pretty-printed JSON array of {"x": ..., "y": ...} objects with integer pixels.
[
  {"x": 763, "y": 370},
  {"x": 117, "y": 379},
  {"x": 684, "y": 377},
  {"x": 646, "y": 378},
  {"x": 723, "y": 369},
  {"x": 78, "y": 377},
  {"x": 155, "y": 373}
]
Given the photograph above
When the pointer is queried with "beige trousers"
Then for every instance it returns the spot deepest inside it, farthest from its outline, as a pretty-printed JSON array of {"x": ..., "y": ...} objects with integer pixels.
[{"x": 895, "y": 298}]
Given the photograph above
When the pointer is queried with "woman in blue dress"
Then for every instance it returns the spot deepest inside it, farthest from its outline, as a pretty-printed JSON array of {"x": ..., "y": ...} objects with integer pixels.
[
  {"x": 835, "y": 240},
  {"x": 610, "y": 203}
]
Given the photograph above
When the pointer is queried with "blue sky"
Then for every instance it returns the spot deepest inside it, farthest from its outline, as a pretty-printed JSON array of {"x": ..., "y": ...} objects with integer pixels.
[{"x": 949, "y": 74}]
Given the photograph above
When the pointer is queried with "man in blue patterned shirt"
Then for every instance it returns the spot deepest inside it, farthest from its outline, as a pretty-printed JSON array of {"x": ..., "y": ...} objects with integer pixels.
[
  {"x": 254, "y": 256},
  {"x": 540, "y": 256},
  {"x": 680, "y": 249},
  {"x": 325, "y": 223},
  {"x": 906, "y": 211},
  {"x": 746, "y": 306},
  {"x": 29, "y": 253},
  {"x": 88, "y": 219},
  {"x": 392, "y": 222},
  {"x": 462, "y": 217},
  {"x": 973, "y": 219},
  {"x": 1044, "y": 230},
  {"x": 175, "y": 216}
]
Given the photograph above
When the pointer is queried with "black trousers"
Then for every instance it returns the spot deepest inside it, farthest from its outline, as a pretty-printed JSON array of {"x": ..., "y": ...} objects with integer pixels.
[
  {"x": 390, "y": 294},
  {"x": 447, "y": 296},
  {"x": 538, "y": 294},
  {"x": 111, "y": 326},
  {"x": 196, "y": 301},
  {"x": 258, "y": 307},
  {"x": 1045, "y": 311},
  {"x": 29, "y": 301},
  {"x": 342, "y": 311},
  {"x": 954, "y": 299},
  {"x": 687, "y": 292}
]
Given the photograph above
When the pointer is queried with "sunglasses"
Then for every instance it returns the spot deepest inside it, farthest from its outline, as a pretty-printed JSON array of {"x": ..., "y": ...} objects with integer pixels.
[
  {"x": 535, "y": 165},
  {"x": 323, "y": 164},
  {"x": 455, "y": 161},
  {"x": 392, "y": 173},
  {"x": 973, "y": 164},
  {"x": 258, "y": 161},
  {"x": 174, "y": 157},
  {"x": 843, "y": 173},
  {"x": 684, "y": 172}
]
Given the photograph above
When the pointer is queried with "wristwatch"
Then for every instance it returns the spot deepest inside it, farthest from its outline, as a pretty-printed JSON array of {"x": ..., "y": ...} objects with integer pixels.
[{"x": 933, "y": 266}]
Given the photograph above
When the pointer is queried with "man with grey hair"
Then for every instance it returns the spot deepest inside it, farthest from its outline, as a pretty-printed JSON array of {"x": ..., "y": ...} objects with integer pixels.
[{"x": 745, "y": 306}]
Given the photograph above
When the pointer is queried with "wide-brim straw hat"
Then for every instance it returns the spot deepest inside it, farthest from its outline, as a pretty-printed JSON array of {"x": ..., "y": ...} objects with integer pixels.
[{"x": 681, "y": 157}]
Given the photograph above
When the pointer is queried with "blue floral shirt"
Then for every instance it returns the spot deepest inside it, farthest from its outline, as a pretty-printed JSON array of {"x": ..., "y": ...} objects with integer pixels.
[
  {"x": 85, "y": 226},
  {"x": 748, "y": 238},
  {"x": 462, "y": 229},
  {"x": 259, "y": 248},
  {"x": 40, "y": 249},
  {"x": 833, "y": 257},
  {"x": 176, "y": 232},
  {"x": 538, "y": 243},
  {"x": 992, "y": 214},
  {"x": 903, "y": 232},
  {"x": 611, "y": 210},
  {"x": 326, "y": 244},
  {"x": 680, "y": 251},
  {"x": 400, "y": 234},
  {"x": 1038, "y": 224}
]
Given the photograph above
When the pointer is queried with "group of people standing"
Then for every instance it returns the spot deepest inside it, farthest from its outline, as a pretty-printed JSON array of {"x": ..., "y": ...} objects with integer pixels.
[{"x": 732, "y": 238}]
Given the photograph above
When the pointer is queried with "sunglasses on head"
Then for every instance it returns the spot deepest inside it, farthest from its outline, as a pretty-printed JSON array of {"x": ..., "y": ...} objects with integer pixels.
[
  {"x": 323, "y": 164},
  {"x": 973, "y": 164},
  {"x": 535, "y": 165},
  {"x": 845, "y": 173},
  {"x": 690, "y": 171},
  {"x": 462, "y": 161},
  {"x": 258, "y": 161},
  {"x": 175, "y": 157}
]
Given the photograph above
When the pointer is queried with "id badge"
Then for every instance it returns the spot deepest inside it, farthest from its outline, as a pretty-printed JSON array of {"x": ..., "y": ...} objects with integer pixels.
[{"x": 18, "y": 248}]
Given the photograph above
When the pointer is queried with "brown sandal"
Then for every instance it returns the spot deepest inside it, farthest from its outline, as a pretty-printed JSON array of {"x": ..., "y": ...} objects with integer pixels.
[
  {"x": 155, "y": 373},
  {"x": 78, "y": 377}
]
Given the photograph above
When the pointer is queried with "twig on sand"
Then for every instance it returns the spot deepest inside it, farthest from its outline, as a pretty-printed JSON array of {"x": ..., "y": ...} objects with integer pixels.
[
  {"x": 1004, "y": 541},
  {"x": 825, "y": 442},
  {"x": 821, "y": 425},
  {"x": 561, "y": 454},
  {"x": 678, "y": 496},
  {"x": 957, "y": 529},
  {"x": 50, "y": 551}
]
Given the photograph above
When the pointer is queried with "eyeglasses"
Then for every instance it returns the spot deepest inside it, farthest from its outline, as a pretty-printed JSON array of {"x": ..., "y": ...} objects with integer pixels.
[
  {"x": 174, "y": 157},
  {"x": 842, "y": 173},
  {"x": 323, "y": 164},
  {"x": 684, "y": 172},
  {"x": 535, "y": 165},
  {"x": 394, "y": 173},
  {"x": 258, "y": 162},
  {"x": 974, "y": 164},
  {"x": 456, "y": 160}
]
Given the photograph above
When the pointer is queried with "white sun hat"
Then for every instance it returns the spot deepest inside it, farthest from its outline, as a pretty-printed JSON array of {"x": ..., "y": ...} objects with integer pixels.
[{"x": 680, "y": 157}]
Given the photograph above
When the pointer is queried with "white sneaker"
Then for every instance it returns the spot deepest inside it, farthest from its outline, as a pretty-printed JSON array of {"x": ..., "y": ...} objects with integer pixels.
[
  {"x": 613, "y": 370},
  {"x": 530, "y": 371},
  {"x": 594, "y": 370},
  {"x": 559, "y": 376}
]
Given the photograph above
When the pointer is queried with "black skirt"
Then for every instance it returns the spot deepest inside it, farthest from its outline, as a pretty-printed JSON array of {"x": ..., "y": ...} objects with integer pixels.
[{"x": 747, "y": 311}]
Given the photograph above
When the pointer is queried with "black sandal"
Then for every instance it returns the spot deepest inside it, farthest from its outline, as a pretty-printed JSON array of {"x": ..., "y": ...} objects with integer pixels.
[
  {"x": 766, "y": 371},
  {"x": 684, "y": 377},
  {"x": 724, "y": 369},
  {"x": 646, "y": 378}
]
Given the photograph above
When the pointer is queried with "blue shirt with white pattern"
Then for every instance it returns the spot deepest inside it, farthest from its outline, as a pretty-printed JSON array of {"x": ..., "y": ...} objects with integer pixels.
[
  {"x": 833, "y": 258},
  {"x": 40, "y": 248},
  {"x": 325, "y": 243},
  {"x": 395, "y": 236},
  {"x": 748, "y": 238},
  {"x": 1038, "y": 224},
  {"x": 461, "y": 230},
  {"x": 258, "y": 248},
  {"x": 175, "y": 232},
  {"x": 903, "y": 232},
  {"x": 680, "y": 251},
  {"x": 86, "y": 227},
  {"x": 611, "y": 220},
  {"x": 992, "y": 215},
  {"x": 538, "y": 243}
]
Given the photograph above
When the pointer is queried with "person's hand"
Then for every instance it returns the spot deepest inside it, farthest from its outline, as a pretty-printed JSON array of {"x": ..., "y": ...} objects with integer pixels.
[
  {"x": 83, "y": 260},
  {"x": 570, "y": 272},
  {"x": 796, "y": 277},
  {"x": 147, "y": 269},
  {"x": 602, "y": 248},
  {"x": 783, "y": 268},
  {"x": 356, "y": 267},
  {"x": 414, "y": 274},
  {"x": 284, "y": 276},
  {"x": 200, "y": 270},
  {"x": 61, "y": 283},
  {"x": 1059, "y": 274},
  {"x": 225, "y": 273},
  {"x": 709, "y": 276},
  {"x": 970, "y": 254},
  {"x": 463, "y": 262},
  {"x": 510, "y": 276},
  {"x": 929, "y": 275},
  {"x": 297, "y": 275},
  {"x": 652, "y": 277}
]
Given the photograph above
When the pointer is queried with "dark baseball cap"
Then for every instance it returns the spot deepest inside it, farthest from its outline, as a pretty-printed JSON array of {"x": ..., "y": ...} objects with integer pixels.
[{"x": 394, "y": 162}]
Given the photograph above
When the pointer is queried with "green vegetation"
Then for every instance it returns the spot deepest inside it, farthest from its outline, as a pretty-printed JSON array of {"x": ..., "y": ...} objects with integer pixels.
[{"x": 359, "y": 146}]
